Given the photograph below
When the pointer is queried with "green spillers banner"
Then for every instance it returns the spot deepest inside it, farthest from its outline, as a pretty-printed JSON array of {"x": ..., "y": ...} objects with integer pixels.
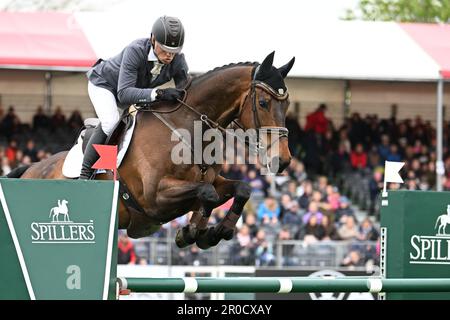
[
  {"x": 58, "y": 239},
  {"x": 417, "y": 237}
]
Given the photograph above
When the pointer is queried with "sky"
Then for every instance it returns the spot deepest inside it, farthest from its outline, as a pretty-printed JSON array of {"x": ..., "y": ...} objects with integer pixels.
[
  {"x": 247, "y": 22},
  {"x": 302, "y": 9},
  {"x": 298, "y": 9}
]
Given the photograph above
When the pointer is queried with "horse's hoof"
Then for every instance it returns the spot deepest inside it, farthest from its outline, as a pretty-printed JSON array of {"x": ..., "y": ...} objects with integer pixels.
[
  {"x": 207, "y": 194},
  {"x": 183, "y": 238},
  {"x": 227, "y": 234},
  {"x": 203, "y": 240}
]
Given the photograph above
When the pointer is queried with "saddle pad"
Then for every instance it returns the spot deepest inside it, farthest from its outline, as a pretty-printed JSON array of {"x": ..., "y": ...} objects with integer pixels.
[{"x": 74, "y": 159}]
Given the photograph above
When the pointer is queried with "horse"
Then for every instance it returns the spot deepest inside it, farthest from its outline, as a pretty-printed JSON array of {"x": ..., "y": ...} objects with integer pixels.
[{"x": 252, "y": 95}]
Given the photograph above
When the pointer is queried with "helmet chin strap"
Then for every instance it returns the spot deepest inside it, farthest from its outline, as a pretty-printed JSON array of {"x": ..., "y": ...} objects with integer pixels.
[{"x": 153, "y": 41}]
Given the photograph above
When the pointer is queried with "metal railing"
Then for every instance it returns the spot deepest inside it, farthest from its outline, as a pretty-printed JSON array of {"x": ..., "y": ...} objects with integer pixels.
[{"x": 280, "y": 253}]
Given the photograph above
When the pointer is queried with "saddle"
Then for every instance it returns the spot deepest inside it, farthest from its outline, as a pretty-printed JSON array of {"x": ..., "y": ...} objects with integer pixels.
[{"x": 120, "y": 136}]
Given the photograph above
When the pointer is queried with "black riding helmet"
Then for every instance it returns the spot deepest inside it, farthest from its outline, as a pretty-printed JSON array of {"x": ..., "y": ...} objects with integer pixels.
[{"x": 169, "y": 33}]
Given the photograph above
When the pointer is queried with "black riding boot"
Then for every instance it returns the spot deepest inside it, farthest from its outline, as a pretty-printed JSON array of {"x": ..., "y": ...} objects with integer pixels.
[{"x": 90, "y": 154}]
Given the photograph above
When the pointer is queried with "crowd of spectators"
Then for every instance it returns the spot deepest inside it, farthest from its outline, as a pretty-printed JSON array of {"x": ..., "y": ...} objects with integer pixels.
[
  {"x": 308, "y": 202},
  {"x": 23, "y": 143}
]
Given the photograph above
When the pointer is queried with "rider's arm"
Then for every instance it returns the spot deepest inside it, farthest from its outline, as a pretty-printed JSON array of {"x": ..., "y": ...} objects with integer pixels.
[
  {"x": 181, "y": 70},
  {"x": 127, "y": 93}
]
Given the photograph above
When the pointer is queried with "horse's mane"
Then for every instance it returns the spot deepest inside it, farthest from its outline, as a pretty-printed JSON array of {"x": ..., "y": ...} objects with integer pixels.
[{"x": 209, "y": 73}]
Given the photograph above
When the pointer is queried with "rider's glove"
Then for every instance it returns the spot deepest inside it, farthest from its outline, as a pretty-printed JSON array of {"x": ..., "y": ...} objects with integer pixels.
[{"x": 169, "y": 94}]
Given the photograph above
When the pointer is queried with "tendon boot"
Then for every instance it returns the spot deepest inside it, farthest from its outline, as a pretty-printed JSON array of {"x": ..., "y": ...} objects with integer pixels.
[{"x": 90, "y": 154}]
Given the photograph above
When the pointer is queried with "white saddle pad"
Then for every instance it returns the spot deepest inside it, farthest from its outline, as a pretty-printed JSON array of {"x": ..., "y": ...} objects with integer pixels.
[{"x": 74, "y": 160}]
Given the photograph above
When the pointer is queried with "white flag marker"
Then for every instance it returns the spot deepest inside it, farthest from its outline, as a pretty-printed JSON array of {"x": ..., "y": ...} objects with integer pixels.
[{"x": 391, "y": 174}]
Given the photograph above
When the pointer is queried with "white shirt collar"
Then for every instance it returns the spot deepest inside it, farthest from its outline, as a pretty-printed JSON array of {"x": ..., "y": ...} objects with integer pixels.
[{"x": 152, "y": 56}]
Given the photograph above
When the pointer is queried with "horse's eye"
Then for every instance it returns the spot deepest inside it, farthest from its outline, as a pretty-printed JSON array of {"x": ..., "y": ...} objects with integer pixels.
[{"x": 263, "y": 104}]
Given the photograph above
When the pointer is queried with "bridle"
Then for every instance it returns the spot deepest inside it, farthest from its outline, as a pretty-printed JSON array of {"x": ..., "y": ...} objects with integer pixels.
[{"x": 282, "y": 132}]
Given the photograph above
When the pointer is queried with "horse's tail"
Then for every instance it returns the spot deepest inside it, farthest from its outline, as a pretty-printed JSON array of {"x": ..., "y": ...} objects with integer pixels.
[
  {"x": 437, "y": 220},
  {"x": 51, "y": 210},
  {"x": 18, "y": 172}
]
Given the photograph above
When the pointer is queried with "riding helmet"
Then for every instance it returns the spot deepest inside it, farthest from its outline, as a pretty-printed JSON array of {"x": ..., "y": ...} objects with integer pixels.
[{"x": 169, "y": 32}]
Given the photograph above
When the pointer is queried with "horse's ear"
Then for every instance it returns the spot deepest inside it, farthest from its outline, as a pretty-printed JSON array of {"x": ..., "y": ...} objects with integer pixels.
[
  {"x": 266, "y": 65},
  {"x": 284, "y": 70}
]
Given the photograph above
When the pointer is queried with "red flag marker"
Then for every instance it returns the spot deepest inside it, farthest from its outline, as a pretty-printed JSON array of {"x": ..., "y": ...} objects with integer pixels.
[{"x": 108, "y": 158}]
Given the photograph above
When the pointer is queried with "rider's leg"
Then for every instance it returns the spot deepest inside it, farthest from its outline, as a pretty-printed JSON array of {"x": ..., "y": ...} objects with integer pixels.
[
  {"x": 106, "y": 109},
  {"x": 90, "y": 154}
]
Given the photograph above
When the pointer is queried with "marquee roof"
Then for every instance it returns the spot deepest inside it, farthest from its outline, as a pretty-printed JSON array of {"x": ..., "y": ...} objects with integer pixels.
[{"x": 330, "y": 49}]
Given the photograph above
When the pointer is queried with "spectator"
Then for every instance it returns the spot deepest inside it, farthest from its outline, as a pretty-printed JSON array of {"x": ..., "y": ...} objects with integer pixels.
[
  {"x": 287, "y": 249},
  {"x": 250, "y": 221},
  {"x": 6, "y": 168},
  {"x": 297, "y": 170},
  {"x": 313, "y": 231},
  {"x": 321, "y": 202},
  {"x": 313, "y": 212},
  {"x": 366, "y": 231},
  {"x": 305, "y": 198},
  {"x": 292, "y": 216},
  {"x": 11, "y": 151},
  {"x": 244, "y": 251},
  {"x": 127, "y": 254},
  {"x": 339, "y": 161},
  {"x": 285, "y": 204},
  {"x": 358, "y": 133},
  {"x": 333, "y": 198},
  {"x": 393, "y": 154},
  {"x": 75, "y": 121},
  {"x": 257, "y": 183},
  {"x": 10, "y": 123},
  {"x": 58, "y": 119},
  {"x": 269, "y": 211},
  {"x": 30, "y": 151},
  {"x": 330, "y": 229},
  {"x": 193, "y": 257},
  {"x": 370, "y": 254},
  {"x": 383, "y": 149},
  {"x": 317, "y": 121},
  {"x": 348, "y": 230},
  {"x": 353, "y": 260},
  {"x": 358, "y": 157},
  {"x": 375, "y": 185},
  {"x": 263, "y": 250},
  {"x": 295, "y": 133},
  {"x": 40, "y": 120},
  {"x": 344, "y": 211}
]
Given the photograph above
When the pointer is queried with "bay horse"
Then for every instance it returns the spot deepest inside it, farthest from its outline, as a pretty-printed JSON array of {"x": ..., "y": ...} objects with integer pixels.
[{"x": 252, "y": 94}]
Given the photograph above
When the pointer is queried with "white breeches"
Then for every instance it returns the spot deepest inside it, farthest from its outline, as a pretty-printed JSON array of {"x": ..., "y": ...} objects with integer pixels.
[{"x": 105, "y": 107}]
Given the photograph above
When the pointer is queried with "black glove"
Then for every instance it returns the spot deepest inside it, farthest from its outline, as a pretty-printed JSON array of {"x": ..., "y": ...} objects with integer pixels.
[{"x": 169, "y": 94}]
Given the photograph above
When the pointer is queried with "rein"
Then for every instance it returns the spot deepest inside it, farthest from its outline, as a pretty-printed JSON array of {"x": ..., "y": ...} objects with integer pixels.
[{"x": 282, "y": 132}]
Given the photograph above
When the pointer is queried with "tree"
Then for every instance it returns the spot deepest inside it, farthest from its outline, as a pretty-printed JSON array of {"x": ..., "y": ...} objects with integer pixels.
[{"x": 426, "y": 11}]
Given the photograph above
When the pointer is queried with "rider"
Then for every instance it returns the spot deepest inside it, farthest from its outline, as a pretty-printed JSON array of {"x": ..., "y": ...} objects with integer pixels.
[{"x": 130, "y": 78}]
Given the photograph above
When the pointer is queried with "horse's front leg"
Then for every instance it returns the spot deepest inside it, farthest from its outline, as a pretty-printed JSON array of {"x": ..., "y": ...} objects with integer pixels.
[
  {"x": 174, "y": 193},
  {"x": 226, "y": 189}
]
